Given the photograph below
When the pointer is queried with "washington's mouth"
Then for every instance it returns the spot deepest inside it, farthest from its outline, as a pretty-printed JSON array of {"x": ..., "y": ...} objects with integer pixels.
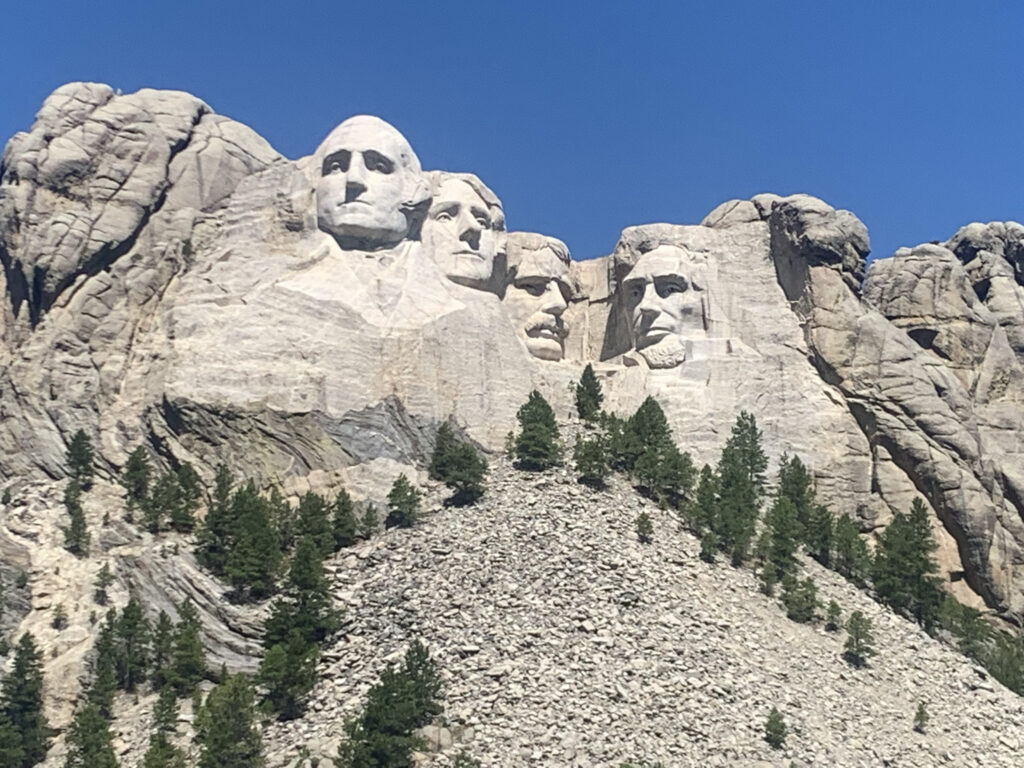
[{"x": 475, "y": 254}]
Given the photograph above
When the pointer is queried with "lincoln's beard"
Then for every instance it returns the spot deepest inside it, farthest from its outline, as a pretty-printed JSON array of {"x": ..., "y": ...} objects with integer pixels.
[{"x": 667, "y": 353}]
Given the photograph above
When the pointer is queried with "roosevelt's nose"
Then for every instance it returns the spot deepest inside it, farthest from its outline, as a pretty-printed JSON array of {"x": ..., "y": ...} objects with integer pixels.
[
  {"x": 552, "y": 300},
  {"x": 355, "y": 177}
]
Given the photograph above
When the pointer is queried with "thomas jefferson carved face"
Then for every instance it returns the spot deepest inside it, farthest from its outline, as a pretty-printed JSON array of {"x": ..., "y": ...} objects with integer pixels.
[
  {"x": 666, "y": 296},
  {"x": 370, "y": 185},
  {"x": 538, "y": 294},
  {"x": 462, "y": 231}
]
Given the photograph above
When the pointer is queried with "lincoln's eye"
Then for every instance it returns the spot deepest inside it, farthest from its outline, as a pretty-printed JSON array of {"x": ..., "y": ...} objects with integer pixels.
[{"x": 668, "y": 287}]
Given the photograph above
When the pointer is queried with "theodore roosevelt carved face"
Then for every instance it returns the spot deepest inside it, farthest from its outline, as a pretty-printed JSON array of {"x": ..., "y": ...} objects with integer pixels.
[
  {"x": 666, "y": 296},
  {"x": 464, "y": 228},
  {"x": 538, "y": 291},
  {"x": 371, "y": 193}
]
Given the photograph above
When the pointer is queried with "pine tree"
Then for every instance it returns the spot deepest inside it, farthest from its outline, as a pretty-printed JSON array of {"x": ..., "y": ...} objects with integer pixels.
[
  {"x": 162, "y": 753},
  {"x": 190, "y": 493},
  {"x": 702, "y": 511},
  {"x": 783, "y": 530},
  {"x": 800, "y": 598},
  {"x": 819, "y": 534},
  {"x": 132, "y": 646},
  {"x": 536, "y": 445},
  {"x": 76, "y": 535},
  {"x": 588, "y": 395},
  {"x": 403, "y": 700},
  {"x": 644, "y": 528},
  {"x": 225, "y": 729},
  {"x": 255, "y": 557},
  {"x": 313, "y": 521},
  {"x": 458, "y": 464},
  {"x": 343, "y": 521},
  {"x": 858, "y": 646},
  {"x": 775, "y": 729},
  {"x": 89, "y": 740},
  {"x": 591, "y": 459},
  {"x": 11, "y": 753},
  {"x": 164, "y": 503},
  {"x": 833, "y": 616},
  {"x": 188, "y": 662},
  {"x": 103, "y": 581},
  {"x": 104, "y": 673},
  {"x": 368, "y": 521},
  {"x": 21, "y": 702},
  {"x": 217, "y": 535},
  {"x": 851, "y": 557},
  {"x": 903, "y": 569},
  {"x": 797, "y": 485},
  {"x": 403, "y": 504},
  {"x": 80, "y": 459},
  {"x": 283, "y": 518},
  {"x": 306, "y": 604},
  {"x": 921, "y": 717},
  {"x": 135, "y": 478},
  {"x": 162, "y": 649},
  {"x": 288, "y": 673}
]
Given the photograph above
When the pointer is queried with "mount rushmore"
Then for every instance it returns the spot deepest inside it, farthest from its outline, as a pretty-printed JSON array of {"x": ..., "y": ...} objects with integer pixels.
[{"x": 171, "y": 280}]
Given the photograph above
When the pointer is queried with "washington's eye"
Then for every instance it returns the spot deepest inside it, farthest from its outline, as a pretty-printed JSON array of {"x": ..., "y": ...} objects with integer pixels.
[
  {"x": 336, "y": 163},
  {"x": 377, "y": 162}
]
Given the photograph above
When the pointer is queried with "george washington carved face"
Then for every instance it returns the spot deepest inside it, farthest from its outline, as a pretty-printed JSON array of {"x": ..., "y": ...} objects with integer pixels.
[{"x": 371, "y": 193}]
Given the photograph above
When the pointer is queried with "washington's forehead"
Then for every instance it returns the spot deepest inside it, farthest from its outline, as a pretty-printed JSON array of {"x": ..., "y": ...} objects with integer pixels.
[
  {"x": 457, "y": 190},
  {"x": 365, "y": 132}
]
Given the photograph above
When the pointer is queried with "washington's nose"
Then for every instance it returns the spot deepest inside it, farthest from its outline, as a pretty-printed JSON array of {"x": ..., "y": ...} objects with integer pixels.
[
  {"x": 553, "y": 300},
  {"x": 355, "y": 178}
]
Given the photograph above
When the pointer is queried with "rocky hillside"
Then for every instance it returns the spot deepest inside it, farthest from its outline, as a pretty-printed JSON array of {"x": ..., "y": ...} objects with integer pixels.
[{"x": 565, "y": 641}]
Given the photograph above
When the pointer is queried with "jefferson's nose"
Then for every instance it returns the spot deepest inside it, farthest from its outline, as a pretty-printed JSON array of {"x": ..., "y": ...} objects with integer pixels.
[{"x": 469, "y": 230}]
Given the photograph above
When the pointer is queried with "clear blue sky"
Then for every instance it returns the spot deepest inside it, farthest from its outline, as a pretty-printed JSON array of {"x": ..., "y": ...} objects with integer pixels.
[{"x": 588, "y": 117}]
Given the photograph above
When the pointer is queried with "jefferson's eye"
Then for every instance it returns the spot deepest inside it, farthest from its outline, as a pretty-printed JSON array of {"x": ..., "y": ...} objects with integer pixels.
[
  {"x": 443, "y": 216},
  {"x": 483, "y": 222}
]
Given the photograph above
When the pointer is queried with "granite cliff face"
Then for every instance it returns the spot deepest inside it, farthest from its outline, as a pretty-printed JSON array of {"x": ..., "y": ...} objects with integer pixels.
[{"x": 169, "y": 279}]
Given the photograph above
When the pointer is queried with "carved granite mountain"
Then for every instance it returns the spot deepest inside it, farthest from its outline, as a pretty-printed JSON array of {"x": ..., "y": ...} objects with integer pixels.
[{"x": 170, "y": 280}]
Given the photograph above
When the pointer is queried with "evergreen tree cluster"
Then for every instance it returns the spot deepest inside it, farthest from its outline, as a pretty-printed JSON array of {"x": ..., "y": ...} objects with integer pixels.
[
  {"x": 404, "y": 698},
  {"x": 457, "y": 463},
  {"x": 246, "y": 536},
  {"x": 536, "y": 446},
  {"x": 301, "y": 618},
  {"x": 168, "y": 502},
  {"x": 24, "y": 731}
]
